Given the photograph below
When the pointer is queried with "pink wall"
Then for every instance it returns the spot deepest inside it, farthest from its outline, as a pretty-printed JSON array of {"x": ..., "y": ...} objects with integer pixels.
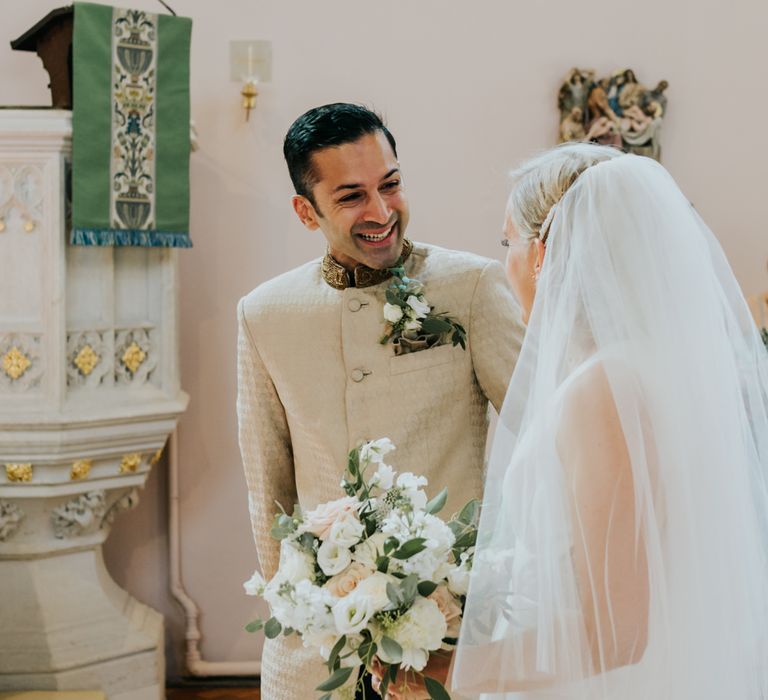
[{"x": 468, "y": 91}]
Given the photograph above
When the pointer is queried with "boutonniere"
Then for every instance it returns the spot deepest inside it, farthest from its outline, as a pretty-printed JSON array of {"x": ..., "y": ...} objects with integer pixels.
[{"x": 412, "y": 323}]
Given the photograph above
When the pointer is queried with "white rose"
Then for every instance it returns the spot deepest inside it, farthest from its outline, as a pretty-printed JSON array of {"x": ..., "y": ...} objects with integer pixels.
[
  {"x": 351, "y": 614},
  {"x": 255, "y": 585},
  {"x": 374, "y": 589},
  {"x": 384, "y": 477},
  {"x": 421, "y": 629},
  {"x": 392, "y": 312},
  {"x": 295, "y": 564},
  {"x": 413, "y": 326},
  {"x": 369, "y": 550},
  {"x": 346, "y": 531},
  {"x": 333, "y": 558},
  {"x": 420, "y": 307},
  {"x": 376, "y": 450},
  {"x": 458, "y": 580}
]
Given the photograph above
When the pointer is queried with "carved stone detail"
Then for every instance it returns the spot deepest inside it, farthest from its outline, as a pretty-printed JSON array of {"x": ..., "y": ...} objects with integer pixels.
[
  {"x": 89, "y": 358},
  {"x": 130, "y": 463},
  {"x": 21, "y": 197},
  {"x": 10, "y": 519},
  {"x": 80, "y": 516},
  {"x": 21, "y": 366},
  {"x": 80, "y": 469},
  {"x": 128, "y": 502},
  {"x": 135, "y": 356}
]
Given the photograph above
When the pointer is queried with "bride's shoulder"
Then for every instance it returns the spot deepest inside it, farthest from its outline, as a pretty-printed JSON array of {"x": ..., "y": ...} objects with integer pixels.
[{"x": 590, "y": 420}]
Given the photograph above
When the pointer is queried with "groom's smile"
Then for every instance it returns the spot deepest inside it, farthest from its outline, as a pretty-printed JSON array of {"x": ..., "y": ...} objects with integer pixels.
[{"x": 360, "y": 204}]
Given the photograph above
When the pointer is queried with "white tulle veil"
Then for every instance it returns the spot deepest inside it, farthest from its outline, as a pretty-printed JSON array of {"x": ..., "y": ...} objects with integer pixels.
[{"x": 635, "y": 298}]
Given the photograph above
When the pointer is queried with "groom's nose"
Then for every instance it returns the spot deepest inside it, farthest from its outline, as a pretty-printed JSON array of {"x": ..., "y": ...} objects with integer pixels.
[{"x": 377, "y": 209}]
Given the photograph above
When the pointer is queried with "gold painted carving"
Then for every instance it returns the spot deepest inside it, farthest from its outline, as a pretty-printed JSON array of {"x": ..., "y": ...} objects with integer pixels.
[
  {"x": 86, "y": 360},
  {"x": 18, "y": 472},
  {"x": 156, "y": 457},
  {"x": 133, "y": 357},
  {"x": 29, "y": 226},
  {"x": 130, "y": 463},
  {"x": 15, "y": 363},
  {"x": 80, "y": 469}
]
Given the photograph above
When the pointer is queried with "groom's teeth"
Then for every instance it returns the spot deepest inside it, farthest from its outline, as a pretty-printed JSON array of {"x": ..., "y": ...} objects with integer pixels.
[{"x": 378, "y": 237}]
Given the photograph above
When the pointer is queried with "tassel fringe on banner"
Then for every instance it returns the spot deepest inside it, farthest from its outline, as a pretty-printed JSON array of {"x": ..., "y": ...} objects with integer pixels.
[{"x": 129, "y": 237}]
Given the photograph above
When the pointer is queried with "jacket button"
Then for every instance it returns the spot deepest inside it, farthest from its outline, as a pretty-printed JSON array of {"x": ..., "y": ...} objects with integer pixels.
[
  {"x": 358, "y": 375},
  {"x": 354, "y": 305}
]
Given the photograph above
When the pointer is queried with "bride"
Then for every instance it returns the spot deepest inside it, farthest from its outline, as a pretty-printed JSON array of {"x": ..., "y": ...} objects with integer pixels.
[{"x": 623, "y": 545}]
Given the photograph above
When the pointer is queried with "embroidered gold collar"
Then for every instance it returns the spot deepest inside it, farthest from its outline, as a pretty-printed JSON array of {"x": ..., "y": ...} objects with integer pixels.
[{"x": 338, "y": 277}]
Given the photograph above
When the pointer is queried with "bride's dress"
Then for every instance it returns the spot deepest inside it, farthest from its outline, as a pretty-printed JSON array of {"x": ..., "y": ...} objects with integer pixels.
[{"x": 641, "y": 364}]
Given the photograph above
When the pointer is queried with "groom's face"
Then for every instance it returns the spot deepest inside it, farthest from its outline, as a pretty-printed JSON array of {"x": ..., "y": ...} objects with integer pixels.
[{"x": 360, "y": 205}]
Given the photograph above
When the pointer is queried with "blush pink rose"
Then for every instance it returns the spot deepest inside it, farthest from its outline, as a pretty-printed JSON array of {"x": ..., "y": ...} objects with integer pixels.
[
  {"x": 320, "y": 520},
  {"x": 449, "y": 607},
  {"x": 343, "y": 584}
]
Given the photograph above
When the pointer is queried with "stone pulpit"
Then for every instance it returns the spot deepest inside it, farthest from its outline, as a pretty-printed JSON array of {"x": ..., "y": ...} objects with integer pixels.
[{"x": 89, "y": 394}]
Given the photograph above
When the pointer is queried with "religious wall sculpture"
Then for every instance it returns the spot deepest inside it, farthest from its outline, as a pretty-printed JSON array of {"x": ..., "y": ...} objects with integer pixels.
[{"x": 617, "y": 110}]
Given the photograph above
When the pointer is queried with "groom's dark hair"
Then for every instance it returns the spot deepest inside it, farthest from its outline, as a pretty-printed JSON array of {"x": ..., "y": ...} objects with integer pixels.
[{"x": 324, "y": 127}]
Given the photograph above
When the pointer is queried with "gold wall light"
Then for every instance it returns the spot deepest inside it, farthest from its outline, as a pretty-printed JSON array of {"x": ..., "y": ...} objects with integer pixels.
[{"x": 250, "y": 66}]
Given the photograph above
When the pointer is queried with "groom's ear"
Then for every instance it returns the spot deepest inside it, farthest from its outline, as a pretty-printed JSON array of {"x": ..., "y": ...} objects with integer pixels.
[{"x": 305, "y": 211}]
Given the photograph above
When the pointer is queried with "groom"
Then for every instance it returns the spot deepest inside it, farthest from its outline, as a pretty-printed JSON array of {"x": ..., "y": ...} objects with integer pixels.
[{"x": 313, "y": 379}]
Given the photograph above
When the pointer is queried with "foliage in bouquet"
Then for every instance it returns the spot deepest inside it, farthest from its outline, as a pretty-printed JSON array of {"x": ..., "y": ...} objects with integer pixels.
[
  {"x": 372, "y": 575},
  {"x": 408, "y": 314}
]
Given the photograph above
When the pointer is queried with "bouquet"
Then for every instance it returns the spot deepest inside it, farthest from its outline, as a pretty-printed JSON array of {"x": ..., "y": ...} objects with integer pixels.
[{"x": 373, "y": 577}]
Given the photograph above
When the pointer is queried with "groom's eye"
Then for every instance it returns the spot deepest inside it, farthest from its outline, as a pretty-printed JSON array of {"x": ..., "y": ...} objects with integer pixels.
[
  {"x": 391, "y": 185},
  {"x": 349, "y": 198}
]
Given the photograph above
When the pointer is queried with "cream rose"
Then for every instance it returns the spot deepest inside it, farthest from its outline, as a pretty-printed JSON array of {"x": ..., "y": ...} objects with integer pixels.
[
  {"x": 344, "y": 583},
  {"x": 320, "y": 520},
  {"x": 450, "y": 609}
]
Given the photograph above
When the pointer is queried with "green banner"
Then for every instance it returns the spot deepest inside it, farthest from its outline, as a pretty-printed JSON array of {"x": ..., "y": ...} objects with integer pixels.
[{"x": 130, "y": 143}]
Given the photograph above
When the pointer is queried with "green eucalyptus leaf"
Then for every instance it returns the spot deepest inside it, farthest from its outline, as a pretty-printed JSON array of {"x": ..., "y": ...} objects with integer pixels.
[
  {"x": 469, "y": 512},
  {"x": 437, "y": 503},
  {"x": 433, "y": 324},
  {"x": 390, "y": 545},
  {"x": 336, "y": 651},
  {"x": 272, "y": 628},
  {"x": 335, "y": 680},
  {"x": 409, "y": 588},
  {"x": 411, "y": 547},
  {"x": 427, "y": 588},
  {"x": 393, "y": 593},
  {"x": 392, "y": 649},
  {"x": 382, "y": 564},
  {"x": 254, "y": 626},
  {"x": 436, "y": 689}
]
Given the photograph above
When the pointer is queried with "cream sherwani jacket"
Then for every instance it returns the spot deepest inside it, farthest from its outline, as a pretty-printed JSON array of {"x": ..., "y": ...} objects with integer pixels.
[{"x": 314, "y": 382}]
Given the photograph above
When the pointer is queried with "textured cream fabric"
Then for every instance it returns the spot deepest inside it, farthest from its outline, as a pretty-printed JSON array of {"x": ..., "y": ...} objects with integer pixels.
[{"x": 303, "y": 344}]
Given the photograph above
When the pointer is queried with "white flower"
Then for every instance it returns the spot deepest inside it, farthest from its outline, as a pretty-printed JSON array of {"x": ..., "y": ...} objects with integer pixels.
[
  {"x": 375, "y": 450},
  {"x": 458, "y": 578},
  {"x": 419, "y": 306},
  {"x": 351, "y": 614},
  {"x": 410, "y": 483},
  {"x": 384, "y": 477},
  {"x": 295, "y": 564},
  {"x": 392, "y": 312},
  {"x": 369, "y": 550},
  {"x": 333, "y": 558},
  {"x": 255, "y": 585},
  {"x": 412, "y": 326},
  {"x": 418, "y": 631},
  {"x": 374, "y": 588},
  {"x": 431, "y": 564},
  {"x": 346, "y": 531}
]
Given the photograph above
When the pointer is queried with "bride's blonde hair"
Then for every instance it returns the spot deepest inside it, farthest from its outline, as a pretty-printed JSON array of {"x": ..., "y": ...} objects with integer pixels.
[{"x": 539, "y": 183}]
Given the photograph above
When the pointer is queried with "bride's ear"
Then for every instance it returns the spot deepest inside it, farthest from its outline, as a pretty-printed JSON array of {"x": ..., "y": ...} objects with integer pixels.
[{"x": 541, "y": 248}]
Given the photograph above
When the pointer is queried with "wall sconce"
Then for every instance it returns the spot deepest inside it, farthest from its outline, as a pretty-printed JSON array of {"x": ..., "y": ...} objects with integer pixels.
[{"x": 250, "y": 65}]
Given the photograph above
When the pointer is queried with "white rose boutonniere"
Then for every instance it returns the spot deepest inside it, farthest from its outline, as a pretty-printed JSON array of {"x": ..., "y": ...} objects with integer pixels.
[{"x": 409, "y": 315}]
